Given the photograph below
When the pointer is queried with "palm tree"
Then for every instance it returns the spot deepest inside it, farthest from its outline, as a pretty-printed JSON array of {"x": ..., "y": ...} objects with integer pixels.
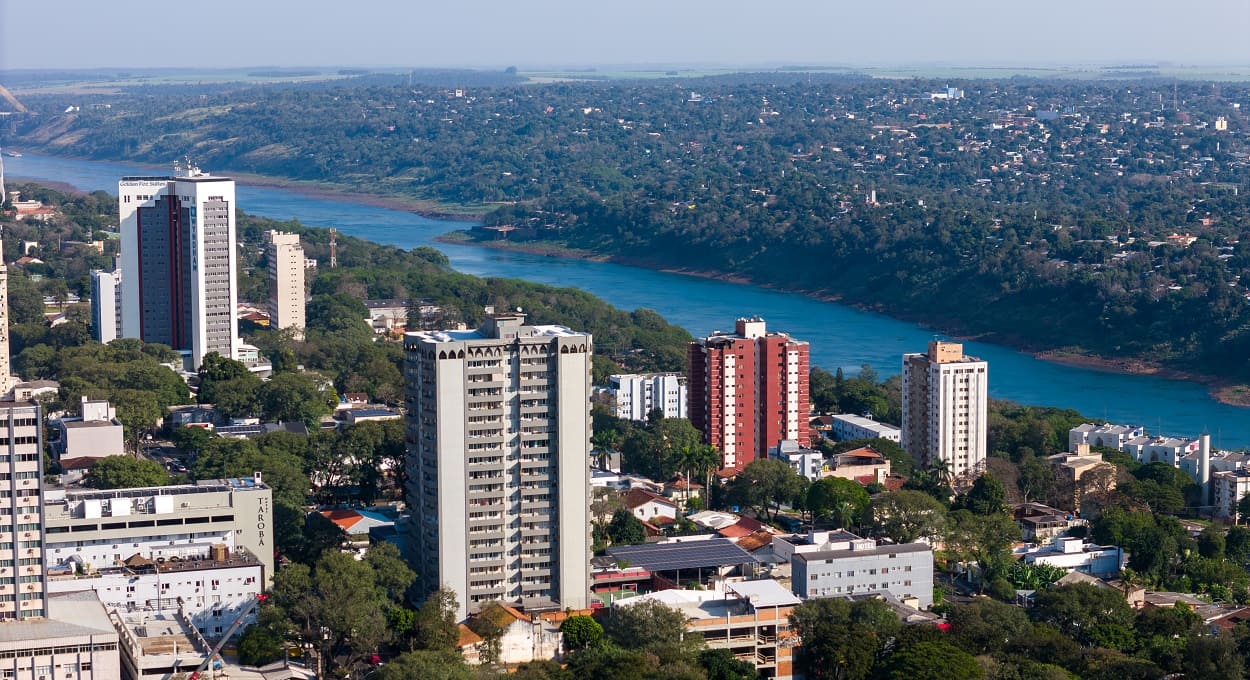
[
  {"x": 698, "y": 459},
  {"x": 605, "y": 442},
  {"x": 941, "y": 470}
]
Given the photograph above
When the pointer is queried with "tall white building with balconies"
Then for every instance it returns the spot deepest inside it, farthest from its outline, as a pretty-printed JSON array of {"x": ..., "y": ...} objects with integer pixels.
[
  {"x": 498, "y": 425},
  {"x": 179, "y": 254},
  {"x": 945, "y": 399},
  {"x": 285, "y": 258}
]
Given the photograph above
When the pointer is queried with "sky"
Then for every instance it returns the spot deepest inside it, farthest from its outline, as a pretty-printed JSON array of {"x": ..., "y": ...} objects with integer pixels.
[{"x": 535, "y": 34}]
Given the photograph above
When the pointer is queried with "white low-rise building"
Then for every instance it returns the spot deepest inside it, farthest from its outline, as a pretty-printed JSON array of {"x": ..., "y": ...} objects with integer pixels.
[
  {"x": 1168, "y": 450},
  {"x": 809, "y": 463},
  {"x": 841, "y": 564},
  {"x": 97, "y": 433},
  {"x": 1228, "y": 487},
  {"x": 1074, "y": 554},
  {"x": 1108, "y": 436},
  {"x": 76, "y": 641},
  {"x": 848, "y": 426},
  {"x": 636, "y": 395},
  {"x": 211, "y": 591}
]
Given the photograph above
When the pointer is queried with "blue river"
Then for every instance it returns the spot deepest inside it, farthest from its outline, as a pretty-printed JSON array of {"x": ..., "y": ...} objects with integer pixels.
[{"x": 840, "y": 336}]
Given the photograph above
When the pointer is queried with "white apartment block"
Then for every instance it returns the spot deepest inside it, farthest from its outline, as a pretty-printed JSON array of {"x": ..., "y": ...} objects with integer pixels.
[
  {"x": 1228, "y": 487},
  {"x": 498, "y": 463},
  {"x": 841, "y": 564},
  {"x": 179, "y": 253},
  {"x": 809, "y": 463},
  {"x": 92, "y": 530},
  {"x": 1108, "y": 435},
  {"x": 637, "y": 395},
  {"x": 847, "y": 426},
  {"x": 945, "y": 399},
  {"x": 106, "y": 305},
  {"x": 285, "y": 258},
  {"x": 1168, "y": 450}
]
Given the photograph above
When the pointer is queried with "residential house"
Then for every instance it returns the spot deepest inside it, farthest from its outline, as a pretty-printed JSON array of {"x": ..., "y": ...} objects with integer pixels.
[
  {"x": 1074, "y": 554},
  {"x": 648, "y": 506}
]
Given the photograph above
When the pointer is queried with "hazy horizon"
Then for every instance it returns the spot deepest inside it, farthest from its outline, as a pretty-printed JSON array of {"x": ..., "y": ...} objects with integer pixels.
[{"x": 565, "y": 34}]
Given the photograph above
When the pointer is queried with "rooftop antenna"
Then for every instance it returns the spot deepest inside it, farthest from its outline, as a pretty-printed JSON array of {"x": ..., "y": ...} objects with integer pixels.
[{"x": 334, "y": 248}]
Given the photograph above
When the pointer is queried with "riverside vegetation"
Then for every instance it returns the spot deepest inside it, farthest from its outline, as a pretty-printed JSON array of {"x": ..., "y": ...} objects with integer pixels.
[{"x": 1034, "y": 213}]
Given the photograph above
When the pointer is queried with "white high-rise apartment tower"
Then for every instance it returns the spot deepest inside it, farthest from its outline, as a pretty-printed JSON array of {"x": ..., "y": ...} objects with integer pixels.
[
  {"x": 945, "y": 395},
  {"x": 180, "y": 257},
  {"x": 285, "y": 257},
  {"x": 498, "y": 469},
  {"x": 106, "y": 308}
]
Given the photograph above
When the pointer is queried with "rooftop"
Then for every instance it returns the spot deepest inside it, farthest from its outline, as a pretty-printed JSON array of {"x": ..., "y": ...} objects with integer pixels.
[
  {"x": 76, "y": 614},
  {"x": 822, "y": 555},
  {"x": 698, "y": 554},
  {"x": 54, "y": 495}
]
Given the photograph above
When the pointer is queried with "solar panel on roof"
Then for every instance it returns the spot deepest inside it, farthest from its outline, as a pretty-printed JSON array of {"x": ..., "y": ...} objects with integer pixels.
[{"x": 686, "y": 555}]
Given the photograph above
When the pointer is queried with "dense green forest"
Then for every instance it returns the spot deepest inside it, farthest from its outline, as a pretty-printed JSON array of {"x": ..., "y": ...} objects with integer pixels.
[{"x": 1031, "y": 212}]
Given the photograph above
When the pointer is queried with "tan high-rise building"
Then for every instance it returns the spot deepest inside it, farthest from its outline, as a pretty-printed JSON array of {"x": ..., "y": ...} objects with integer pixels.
[
  {"x": 498, "y": 430},
  {"x": 286, "y": 282},
  {"x": 945, "y": 399}
]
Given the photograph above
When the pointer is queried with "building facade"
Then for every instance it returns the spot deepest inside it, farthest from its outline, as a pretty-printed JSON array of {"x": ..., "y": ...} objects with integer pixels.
[
  {"x": 749, "y": 618},
  {"x": 1228, "y": 487},
  {"x": 106, "y": 305},
  {"x": 179, "y": 253},
  {"x": 285, "y": 256},
  {"x": 847, "y": 426},
  {"x": 89, "y": 530},
  {"x": 498, "y": 425},
  {"x": 945, "y": 398},
  {"x": 97, "y": 433},
  {"x": 749, "y": 391},
  {"x": 77, "y": 641},
  {"x": 840, "y": 564},
  {"x": 637, "y": 395},
  {"x": 210, "y": 592}
]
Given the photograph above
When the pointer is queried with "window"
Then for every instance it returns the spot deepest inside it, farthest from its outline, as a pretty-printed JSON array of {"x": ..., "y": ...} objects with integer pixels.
[{"x": 813, "y": 577}]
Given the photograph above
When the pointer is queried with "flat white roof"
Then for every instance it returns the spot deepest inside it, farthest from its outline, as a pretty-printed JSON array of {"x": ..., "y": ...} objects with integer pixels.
[
  {"x": 861, "y": 421},
  {"x": 764, "y": 593}
]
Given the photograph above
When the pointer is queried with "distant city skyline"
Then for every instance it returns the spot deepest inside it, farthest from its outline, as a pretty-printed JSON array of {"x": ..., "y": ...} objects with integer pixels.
[{"x": 69, "y": 34}]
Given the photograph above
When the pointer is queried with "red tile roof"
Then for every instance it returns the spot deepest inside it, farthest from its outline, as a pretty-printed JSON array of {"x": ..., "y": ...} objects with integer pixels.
[
  {"x": 344, "y": 519},
  {"x": 79, "y": 463},
  {"x": 755, "y": 541},
  {"x": 467, "y": 637},
  {"x": 734, "y": 531},
  {"x": 637, "y": 497}
]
